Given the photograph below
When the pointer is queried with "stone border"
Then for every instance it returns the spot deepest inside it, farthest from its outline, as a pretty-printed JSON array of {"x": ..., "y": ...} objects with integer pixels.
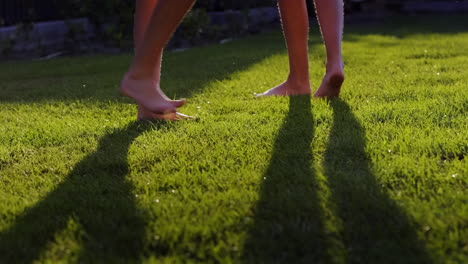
[{"x": 51, "y": 37}]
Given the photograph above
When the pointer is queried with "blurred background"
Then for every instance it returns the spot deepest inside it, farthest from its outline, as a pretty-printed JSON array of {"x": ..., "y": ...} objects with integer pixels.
[{"x": 45, "y": 27}]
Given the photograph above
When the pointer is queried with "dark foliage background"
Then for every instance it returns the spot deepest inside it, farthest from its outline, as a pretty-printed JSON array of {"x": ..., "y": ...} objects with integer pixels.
[
  {"x": 113, "y": 19},
  {"x": 24, "y": 11},
  {"x": 21, "y": 11}
]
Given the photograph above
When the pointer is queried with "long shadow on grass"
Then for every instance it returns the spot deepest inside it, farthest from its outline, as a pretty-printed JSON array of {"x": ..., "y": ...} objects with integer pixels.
[
  {"x": 376, "y": 230},
  {"x": 287, "y": 227},
  {"x": 96, "y": 200}
]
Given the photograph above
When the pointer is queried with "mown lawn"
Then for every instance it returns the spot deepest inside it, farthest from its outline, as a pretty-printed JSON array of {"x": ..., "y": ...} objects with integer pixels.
[{"x": 379, "y": 176}]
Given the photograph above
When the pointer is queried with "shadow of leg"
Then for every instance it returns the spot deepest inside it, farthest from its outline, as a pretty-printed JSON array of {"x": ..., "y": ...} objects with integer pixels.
[
  {"x": 287, "y": 225},
  {"x": 97, "y": 196},
  {"x": 376, "y": 230}
]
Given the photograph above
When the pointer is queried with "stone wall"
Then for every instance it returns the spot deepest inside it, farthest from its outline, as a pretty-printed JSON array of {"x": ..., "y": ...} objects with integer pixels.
[{"x": 50, "y": 37}]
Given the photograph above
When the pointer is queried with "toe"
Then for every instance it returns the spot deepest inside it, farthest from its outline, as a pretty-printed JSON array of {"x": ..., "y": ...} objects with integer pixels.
[{"x": 178, "y": 103}]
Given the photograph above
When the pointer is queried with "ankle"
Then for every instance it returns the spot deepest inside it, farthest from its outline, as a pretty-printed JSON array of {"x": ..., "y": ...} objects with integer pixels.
[
  {"x": 298, "y": 82},
  {"x": 140, "y": 75},
  {"x": 336, "y": 67}
]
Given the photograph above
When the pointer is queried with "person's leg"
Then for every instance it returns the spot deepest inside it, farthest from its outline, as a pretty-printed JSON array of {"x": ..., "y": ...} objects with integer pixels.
[
  {"x": 330, "y": 15},
  {"x": 144, "y": 10},
  {"x": 295, "y": 23},
  {"x": 141, "y": 82}
]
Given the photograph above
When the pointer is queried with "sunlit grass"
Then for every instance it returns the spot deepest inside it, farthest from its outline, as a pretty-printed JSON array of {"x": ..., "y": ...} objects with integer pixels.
[{"x": 379, "y": 176}]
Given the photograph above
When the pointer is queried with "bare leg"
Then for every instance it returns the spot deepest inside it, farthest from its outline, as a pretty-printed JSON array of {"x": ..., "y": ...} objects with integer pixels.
[
  {"x": 141, "y": 82},
  {"x": 144, "y": 10},
  {"x": 296, "y": 30},
  {"x": 330, "y": 16}
]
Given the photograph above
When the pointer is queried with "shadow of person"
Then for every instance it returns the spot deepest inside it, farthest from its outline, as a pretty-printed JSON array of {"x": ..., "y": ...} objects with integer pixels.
[
  {"x": 287, "y": 226},
  {"x": 376, "y": 230},
  {"x": 97, "y": 197}
]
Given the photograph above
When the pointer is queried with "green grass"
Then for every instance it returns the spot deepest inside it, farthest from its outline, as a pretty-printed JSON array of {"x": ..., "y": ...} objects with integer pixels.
[{"x": 379, "y": 176}]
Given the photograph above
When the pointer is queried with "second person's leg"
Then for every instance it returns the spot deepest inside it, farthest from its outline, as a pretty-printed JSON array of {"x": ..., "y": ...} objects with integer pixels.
[
  {"x": 295, "y": 23},
  {"x": 330, "y": 15}
]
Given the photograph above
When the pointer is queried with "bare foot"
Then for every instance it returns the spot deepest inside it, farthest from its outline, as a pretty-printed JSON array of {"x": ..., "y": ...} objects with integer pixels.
[
  {"x": 331, "y": 85},
  {"x": 148, "y": 94},
  {"x": 145, "y": 114},
  {"x": 286, "y": 89}
]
